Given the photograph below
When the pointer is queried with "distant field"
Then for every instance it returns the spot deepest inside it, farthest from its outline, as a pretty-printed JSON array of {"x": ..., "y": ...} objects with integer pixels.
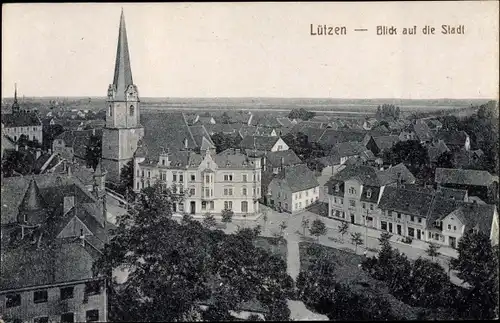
[{"x": 335, "y": 106}]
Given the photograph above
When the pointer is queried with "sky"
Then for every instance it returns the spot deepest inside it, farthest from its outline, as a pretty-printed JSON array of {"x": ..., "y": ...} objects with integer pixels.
[{"x": 253, "y": 50}]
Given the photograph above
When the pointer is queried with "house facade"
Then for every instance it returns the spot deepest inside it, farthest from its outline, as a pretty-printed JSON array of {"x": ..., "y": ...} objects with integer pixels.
[
  {"x": 210, "y": 182},
  {"x": 293, "y": 189}
]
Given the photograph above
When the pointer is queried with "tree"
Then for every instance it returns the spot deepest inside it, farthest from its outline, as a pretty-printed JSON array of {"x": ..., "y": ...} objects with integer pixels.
[
  {"x": 305, "y": 225},
  {"x": 445, "y": 160},
  {"x": 429, "y": 281},
  {"x": 209, "y": 220},
  {"x": 343, "y": 228},
  {"x": 283, "y": 227},
  {"x": 174, "y": 266},
  {"x": 227, "y": 215},
  {"x": 301, "y": 114},
  {"x": 21, "y": 162},
  {"x": 126, "y": 185},
  {"x": 223, "y": 141},
  {"x": 432, "y": 250},
  {"x": 477, "y": 265},
  {"x": 49, "y": 133},
  {"x": 93, "y": 151},
  {"x": 356, "y": 240},
  {"x": 318, "y": 228},
  {"x": 265, "y": 218}
]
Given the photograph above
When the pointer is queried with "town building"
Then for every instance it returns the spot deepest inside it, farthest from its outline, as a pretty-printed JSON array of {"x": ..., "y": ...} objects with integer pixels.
[
  {"x": 263, "y": 144},
  {"x": 479, "y": 183},
  {"x": 72, "y": 144},
  {"x": 455, "y": 140},
  {"x": 53, "y": 229},
  {"x": 293, "y": 189},
  {"x": 379, "y": 144},
  {"x": 434, "y": 217},
  {"x": 354, "y": 192},
  {"x": 210, "y": 182},
  {"x": 22, "y": 123},
  {"x": 123, "y": 129}
]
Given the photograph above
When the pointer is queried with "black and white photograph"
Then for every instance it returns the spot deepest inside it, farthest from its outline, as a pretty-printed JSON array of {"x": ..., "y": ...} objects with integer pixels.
[{"x": 253, "y": 161}]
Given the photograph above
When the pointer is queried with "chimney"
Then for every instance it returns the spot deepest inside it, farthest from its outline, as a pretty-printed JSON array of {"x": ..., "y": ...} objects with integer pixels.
[
  {"x": 69, "y": 202},
  {"x": 82, "y": 238}
]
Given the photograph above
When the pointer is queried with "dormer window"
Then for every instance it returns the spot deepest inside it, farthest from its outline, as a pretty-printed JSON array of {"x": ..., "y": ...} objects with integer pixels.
[
  {"x": 352, "y": 190},
  {"x": 337, "y": 187},
  {"x": 369, "y": 193}
]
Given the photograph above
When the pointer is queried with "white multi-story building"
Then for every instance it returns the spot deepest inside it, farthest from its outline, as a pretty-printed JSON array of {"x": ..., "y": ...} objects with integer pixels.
[
  {"x": 211, "y": 182},
  {"x": 293, "y": 189}
]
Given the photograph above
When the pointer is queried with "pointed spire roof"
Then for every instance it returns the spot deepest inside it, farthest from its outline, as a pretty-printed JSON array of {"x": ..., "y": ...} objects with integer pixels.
[
  {"x": 15, "y": 105},
  {"x": 32, "y": 200},
  {"x": 123, "y": 73}
]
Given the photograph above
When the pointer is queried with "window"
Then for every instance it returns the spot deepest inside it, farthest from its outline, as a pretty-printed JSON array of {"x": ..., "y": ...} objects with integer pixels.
[
  {"x": 369, "y": 193},
  {"x": 258, "y": 190},
  {"x": 244, "y": 176},
  {"x": 244, "y": 191},
  {"x": 212, "y": 205},
  {"x": 192, "y": 191},
  {"x": 181, "y": 207},
  {"x": 92, "y": 315},
  {"x": 411, "y": 232},
  {"x": 383, "y": 225},
  {"x": 352, "y": 190},
  {"x": 364, "y": 206},
  {"x": 449, "y": 226},
  {"x": 207, "y": 192},
  {"x": 92, "y": 288},
  {"x": 335, "y": 200},
  {"x": 181, "y": 189},
  {"x": 341, "y": 201},
  {"x": 254, "y": 191},
  {"x": 203, "y": 205},
  {"x": 66, "y": 292},
  {"x": 193, "y": 177},
  {"x": 137, "y": 185},
  {"x": 41, "y": 319},
  {"x": 228, "y": 205},
  {"x": 399, "y": 215},
  {"x": 149, "y": 174},
  {"x": 138, "y": 173},
  {"x": 163, "y": 162},
  {"x": 163, "y": 176},
  {"x": 352, "y": 203},
  {"x": 228, "y": 178},
  {"x": 13, "y": 300},
  {"x": 454, "y": 228},
  {"x": 337, "y": 187},
  {"x": 67, "y": 318},
  {"x": 40, "y": 296},
  {"x": 131, "y": 110},
  {"x": 371, "y": 207},
  {"x": 174, "y": 177},
  {"x": 181, "y": 178},
  {"x": 225, "y": 192},
  {"x": 244, "y": 206},
  {"x": 207, "y": 178},
  {"x": 419, "y": 220},
  {"x": 412, "y": 218},
  {"x": 142, "y": 173},
  {"x": 110, "y": 111}
]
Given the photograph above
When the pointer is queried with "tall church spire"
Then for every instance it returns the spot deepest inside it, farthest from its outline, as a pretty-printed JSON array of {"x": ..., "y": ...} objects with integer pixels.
[
  {"x": 123, "y": 72},
  {"x": 15, "y": 105}
]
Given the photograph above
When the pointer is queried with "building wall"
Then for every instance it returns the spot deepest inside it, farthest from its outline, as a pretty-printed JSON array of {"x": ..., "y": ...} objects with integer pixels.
[
  {"x": 32, "y": 132},
  {"x": 221, "y": 187},
  {"x": 302, "y": 199},
  {"x": 279, "y": 194},
  {"x": 452, "y": 228},
  {"x": 280, "y": 145},
  {"x": 54, "y": 306},
  {"x": 389, "y": 220}
]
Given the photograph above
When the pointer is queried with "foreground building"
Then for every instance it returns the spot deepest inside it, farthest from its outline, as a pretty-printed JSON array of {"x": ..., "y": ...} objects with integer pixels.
[
  {"x": 293, "y": 189},
  {"x": 211, "y": 182},
  {"x": 52, "y": 231}
]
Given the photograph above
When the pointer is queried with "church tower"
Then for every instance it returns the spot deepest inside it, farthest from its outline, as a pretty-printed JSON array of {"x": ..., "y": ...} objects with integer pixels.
[
  {"x": 123, "y": 129},
  {"x": 15, "y": 105}
]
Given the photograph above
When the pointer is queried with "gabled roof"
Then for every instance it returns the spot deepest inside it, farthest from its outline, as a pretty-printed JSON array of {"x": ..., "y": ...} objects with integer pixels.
[
  {"x": 298, "y": 178},
  {"x": 365, "y": 174},
  {"x": 265, "y": 143},
  {"x": 32, "y": 199},
  {"x": 330, "y": 137},
  {"x": 287, "y": 156},
  {"x": 404, "y": 201},
  {"x": 21, "y": 119},
  {"x": 452, "y": 137},
  {"x": 385, "y": 142},
  {"x": 285, "y": 122},
  {"x": 422, "y": 131},
  {"x": 398, "y": 171},
  {"x": 233, "y": 160},
  {"x": 346, "y": 149},
  {"x": 464, "y": 177},
  {"x": 451, "y": 193},
  {"x": 436, "y": 149}
]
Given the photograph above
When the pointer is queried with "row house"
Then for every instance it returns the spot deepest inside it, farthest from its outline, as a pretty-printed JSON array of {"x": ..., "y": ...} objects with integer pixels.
[
  {"x": 209, "y": 182},
  {"x": 355, "y": 191},
  {"x": 434, "y": 217},
  {"x": 293, "y": 189}
]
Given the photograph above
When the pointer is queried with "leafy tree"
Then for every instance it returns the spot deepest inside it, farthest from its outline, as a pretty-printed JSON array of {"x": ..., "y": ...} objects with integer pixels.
[
  {"x": 432, "y": 250},
  {"x": 318, "y": 228},
  {"x": 301, "y": 114},
  {"x": 430, "y": 284},
  {"x": 49, "y": 133},
  {"x": 223, "y": 141},
  {"x": 126, "y": 185},
  {"x": 93, "y": 151},
  {"x": 356, "y": 240},
  {"x": 412, "y": 154},
  {"x": 305, "y": 225},
  {"x": 227, "y": 215},
  {"x": 445, "y": 160},
  {"x": 477, "y": 265},
  {"x": 172, "y": 267},
  {"x": 343, "y": 228},
  {"x": 209, "y": 220}
]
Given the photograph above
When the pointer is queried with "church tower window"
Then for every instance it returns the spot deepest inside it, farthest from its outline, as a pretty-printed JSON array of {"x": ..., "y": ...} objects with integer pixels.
[
  {"x": 131, "y": 111},
  {"x": 110, "y": 110}
]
